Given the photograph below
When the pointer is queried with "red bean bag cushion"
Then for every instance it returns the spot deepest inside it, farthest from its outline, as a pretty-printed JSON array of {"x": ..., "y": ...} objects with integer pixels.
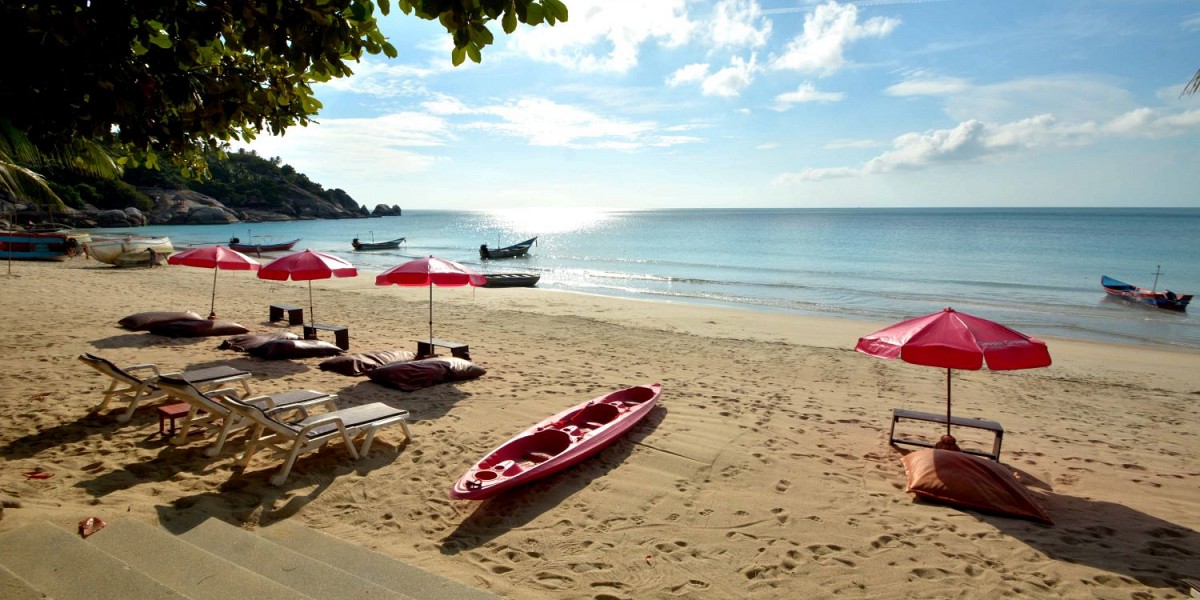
[
  {"x": 145, "y": 320},
  {"x": 244, "y": 343},
  {"x": 410, "y": 376},
  {"x": 201, "y": 328},
  {"x": 357, "y": 364},
  {"x": 459, "y": 368},
  {"x": 285, "y": 349},
  {"x": 960, "y": 479}
]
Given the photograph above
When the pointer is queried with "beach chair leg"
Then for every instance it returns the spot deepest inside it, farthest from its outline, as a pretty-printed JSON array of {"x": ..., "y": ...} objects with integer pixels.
[
  {"x": 231, "y": 423},
  {"x": 366, "y": 444},
  {"x": 251, "y": 446},
  {"x": 188, "y": 423},
  {"x": 138, "y": 393},
  {"x": 281, "y": 477},
  {"x": 109, "y": 394}
]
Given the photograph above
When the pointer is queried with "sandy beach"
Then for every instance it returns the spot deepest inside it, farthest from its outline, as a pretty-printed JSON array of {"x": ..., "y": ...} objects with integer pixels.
[{"x": 764, "y": 473}]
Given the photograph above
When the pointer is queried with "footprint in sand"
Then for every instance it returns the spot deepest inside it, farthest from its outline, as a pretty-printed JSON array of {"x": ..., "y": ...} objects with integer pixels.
[{"x": 783, "y": 485}]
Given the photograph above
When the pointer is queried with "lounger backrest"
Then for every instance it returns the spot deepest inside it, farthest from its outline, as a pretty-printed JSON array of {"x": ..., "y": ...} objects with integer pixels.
[
  {"x": 257, "y": 414},
  {"x": 182, "y": 389},
  {"x": 108, "y": 368}
]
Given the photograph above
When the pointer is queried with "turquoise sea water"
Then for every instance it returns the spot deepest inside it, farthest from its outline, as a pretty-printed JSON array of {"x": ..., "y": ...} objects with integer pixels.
[{"x": 1036, "y": 270}]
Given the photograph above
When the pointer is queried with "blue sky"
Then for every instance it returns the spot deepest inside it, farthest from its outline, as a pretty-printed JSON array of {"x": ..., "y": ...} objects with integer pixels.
[{"x": 743, "y": 103}]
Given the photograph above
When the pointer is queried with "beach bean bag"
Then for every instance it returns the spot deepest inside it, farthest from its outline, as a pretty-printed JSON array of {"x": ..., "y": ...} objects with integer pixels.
[
  {"x": 960, "y": 479},
  {"x": 357, "y": 364},
  {"x": 201, "y": 328},
  {"x": 145, "y": 320},
  {"x": 410, "y": 376},
  {"x": 458, "y": 369},
  {"x": 285, "y": 349},
  {"x": 243, "y": 343}
]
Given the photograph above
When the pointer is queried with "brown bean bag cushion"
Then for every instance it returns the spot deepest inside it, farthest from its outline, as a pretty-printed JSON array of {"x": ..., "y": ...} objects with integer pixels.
[
  {"x": 285, "y": 349},
  {"x": 243, "y": 343},
  {"x": 201, "y": 328},
  {"x": 459, "y": 368},
  {"x": 960, "y": 479},
  {"x": 410, "y": 376},
  {"x": 145, "y": 320},
  {"x": 357, "y": 364}
]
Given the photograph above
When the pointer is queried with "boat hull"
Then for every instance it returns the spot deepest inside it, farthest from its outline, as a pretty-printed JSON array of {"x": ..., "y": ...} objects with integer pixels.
[
  {"x": 514, "y": 250},
  {"x": 19, "y": 245},
  {"x": 389, "y": 245},
  {"x": 260, "y": 248},
  {"x": 1166, "y": 299},
  {"x": 557, "y": 442},
  {"x": 503, "y": 280},
  {"x": 124, "y": 251}
]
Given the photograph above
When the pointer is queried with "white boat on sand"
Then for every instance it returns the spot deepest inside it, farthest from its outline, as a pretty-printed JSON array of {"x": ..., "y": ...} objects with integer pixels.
[{"x": 129, "y": 250}]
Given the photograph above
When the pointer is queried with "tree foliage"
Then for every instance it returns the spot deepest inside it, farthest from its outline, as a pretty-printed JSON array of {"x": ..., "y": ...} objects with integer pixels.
[{"x": 174, "y": 80}]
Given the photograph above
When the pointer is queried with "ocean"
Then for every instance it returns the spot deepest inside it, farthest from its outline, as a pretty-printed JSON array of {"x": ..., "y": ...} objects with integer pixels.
[{"x": 1035, "y": 270}]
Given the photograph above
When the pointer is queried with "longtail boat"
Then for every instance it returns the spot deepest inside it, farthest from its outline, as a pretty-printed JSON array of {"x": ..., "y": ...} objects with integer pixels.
[
  {"x": 237, "y": 244},
  {"x": 518, "y": 249},
  {"x": 25, "y": 245},
  {"x": 1165, "y": 299}
]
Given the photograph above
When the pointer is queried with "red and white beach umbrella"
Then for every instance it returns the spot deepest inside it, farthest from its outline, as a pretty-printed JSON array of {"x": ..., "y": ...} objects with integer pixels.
[
  {"x": 215, "y": 258},
  {"x": 955, "y": 340},
  {"x": 430, "y": 271},
  {"x": 307, "y": 266}
]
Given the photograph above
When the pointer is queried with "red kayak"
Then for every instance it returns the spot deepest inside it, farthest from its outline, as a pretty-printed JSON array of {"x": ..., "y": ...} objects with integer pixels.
[{"x": 557, "y": 442}]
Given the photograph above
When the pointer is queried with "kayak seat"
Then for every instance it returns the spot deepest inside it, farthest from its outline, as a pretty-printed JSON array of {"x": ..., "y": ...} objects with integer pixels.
[
  {"x": 547, "y": 444},
  {"x": 596, "y": 415}
]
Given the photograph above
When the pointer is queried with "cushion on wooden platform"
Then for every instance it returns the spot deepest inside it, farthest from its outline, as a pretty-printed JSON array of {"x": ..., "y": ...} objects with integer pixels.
[
  {"x": 357, "y": 364},
  {"x": 960, "y": 479},
  {"x": 285, "y": 349},
  {"x": 244, "y": 343},
  {"x": 145, "y": 320},
  {"x": 201, "y": 328}
]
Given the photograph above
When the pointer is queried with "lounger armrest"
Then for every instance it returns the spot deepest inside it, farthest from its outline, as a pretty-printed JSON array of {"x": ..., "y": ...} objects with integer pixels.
[
  {"x": 341, "y": 425},
  {"x": 152, "y": 367},
  {"x": 223, "y": 393}
]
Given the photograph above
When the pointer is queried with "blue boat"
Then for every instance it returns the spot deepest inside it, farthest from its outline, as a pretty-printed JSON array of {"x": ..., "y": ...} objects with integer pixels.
[
  {"x": 24, "y": 245},
  {"x": 1165, "y": 299},
  {"x": 518, "y": 249}
]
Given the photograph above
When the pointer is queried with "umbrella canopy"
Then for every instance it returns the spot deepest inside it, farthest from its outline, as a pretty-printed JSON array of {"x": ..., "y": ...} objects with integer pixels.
[
  {"x": 954, "y": 340},
  {"x": 307, "y": 266},
  {"x": 430, "y": 271},
  {"x": 215, "y": 258}
]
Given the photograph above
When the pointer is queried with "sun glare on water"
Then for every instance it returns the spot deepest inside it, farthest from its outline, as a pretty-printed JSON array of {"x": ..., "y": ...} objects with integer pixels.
[{"x": 549, "y": 220}]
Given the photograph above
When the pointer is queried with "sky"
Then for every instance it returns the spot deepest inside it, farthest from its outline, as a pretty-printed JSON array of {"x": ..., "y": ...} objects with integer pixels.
[{"x": 642, "y": 104}]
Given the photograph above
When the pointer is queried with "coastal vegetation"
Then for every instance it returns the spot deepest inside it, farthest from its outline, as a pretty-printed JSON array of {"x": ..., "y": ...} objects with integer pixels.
[{"x": 105, "y": 86}]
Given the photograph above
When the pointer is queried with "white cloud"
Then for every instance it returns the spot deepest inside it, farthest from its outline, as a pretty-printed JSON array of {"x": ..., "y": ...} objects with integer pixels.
[
  {"x": 928, "y": 86},
  {"x": 1072, "y": 97},
  {"x": 606, "y": 35},
  {"x": 853, "y": 144},
  {"x": 730, "y": 81},
  {"x": 828, "y": 30},
  {"x": 739, "y": 24},
  {"x": 693, "y": 73},
  {"x": 543, "y": 122},
  {"x": 805, "y": 92},
  {"x": 973, "y": 140}
]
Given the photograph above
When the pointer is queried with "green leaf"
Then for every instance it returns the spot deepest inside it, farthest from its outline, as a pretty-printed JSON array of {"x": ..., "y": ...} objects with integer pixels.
[
  {"x": 473, "y": 52},
  {"x": 480, "y": 35},
  {"x": 557, "y": 9},
  {"x": 161, "y": 40},
  {"x": 389, "y": 50},
  {"x": 509, "y": 23},
  {"x": 534, "y": 14},
  {"x": 458, "y": 55}
]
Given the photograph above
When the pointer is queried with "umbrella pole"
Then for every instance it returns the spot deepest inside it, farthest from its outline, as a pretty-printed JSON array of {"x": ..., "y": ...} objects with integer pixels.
[
  {"x": 431, "y": 316},
  {"x": 947, "y": 401},
  {"x": 212, "y": 309},
  {"x": 311, "y": 315}
]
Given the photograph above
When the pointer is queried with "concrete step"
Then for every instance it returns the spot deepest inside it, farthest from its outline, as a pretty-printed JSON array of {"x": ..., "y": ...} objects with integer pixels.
[
  {"x": 184, "y": 567},
  {"x": 66, "y": 567},
  {"x": 15, "y": 588},
  {"x": 283, "y": 565},
  {"x": 369, "y": 565}
]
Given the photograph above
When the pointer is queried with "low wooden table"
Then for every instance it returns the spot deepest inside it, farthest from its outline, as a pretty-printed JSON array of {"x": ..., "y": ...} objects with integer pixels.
[
  {"x": 341, "y": 335},
  {"x": 426, "y": 347},
  {"x": 912, "y": 415},
  {"x": 295, "y": 314},
  {"x": 167, "y": 413}
]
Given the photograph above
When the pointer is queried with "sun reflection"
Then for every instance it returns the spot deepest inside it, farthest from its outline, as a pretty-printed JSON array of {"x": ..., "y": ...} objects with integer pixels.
[{"x": 548, "y": 220}]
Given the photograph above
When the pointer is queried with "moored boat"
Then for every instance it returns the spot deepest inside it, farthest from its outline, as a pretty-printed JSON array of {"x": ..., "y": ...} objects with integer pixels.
[
  {"x": 388, "y": 245},
  {"x": 557, "y": 442},
  {"x": 1164, "y": 299},
  {"x": 502, "y": 280},
  {"x": 26, "y": 245},
  {"x": 259, "y": 248},
  {"x": 129, "y": 250},
  {"x": 518, "y": 249}
]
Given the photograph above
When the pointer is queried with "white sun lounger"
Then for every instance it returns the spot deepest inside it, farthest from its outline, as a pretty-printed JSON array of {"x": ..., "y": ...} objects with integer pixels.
[{"x": 128, "y": 387}]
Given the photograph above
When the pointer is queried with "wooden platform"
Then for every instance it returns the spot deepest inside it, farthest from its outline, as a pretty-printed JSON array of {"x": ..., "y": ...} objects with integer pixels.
[
  {"x": 428, "y": 347},
  {"x": 899, "y": 414}
]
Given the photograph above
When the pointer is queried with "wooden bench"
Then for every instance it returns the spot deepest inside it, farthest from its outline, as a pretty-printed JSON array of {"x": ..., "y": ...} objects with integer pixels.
[
  {"x": 295, "y": 314},
  {"x": 341, "y": 335},
  {"x": 426, "y": 348},
  {"x": 912, "y": 415}
]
